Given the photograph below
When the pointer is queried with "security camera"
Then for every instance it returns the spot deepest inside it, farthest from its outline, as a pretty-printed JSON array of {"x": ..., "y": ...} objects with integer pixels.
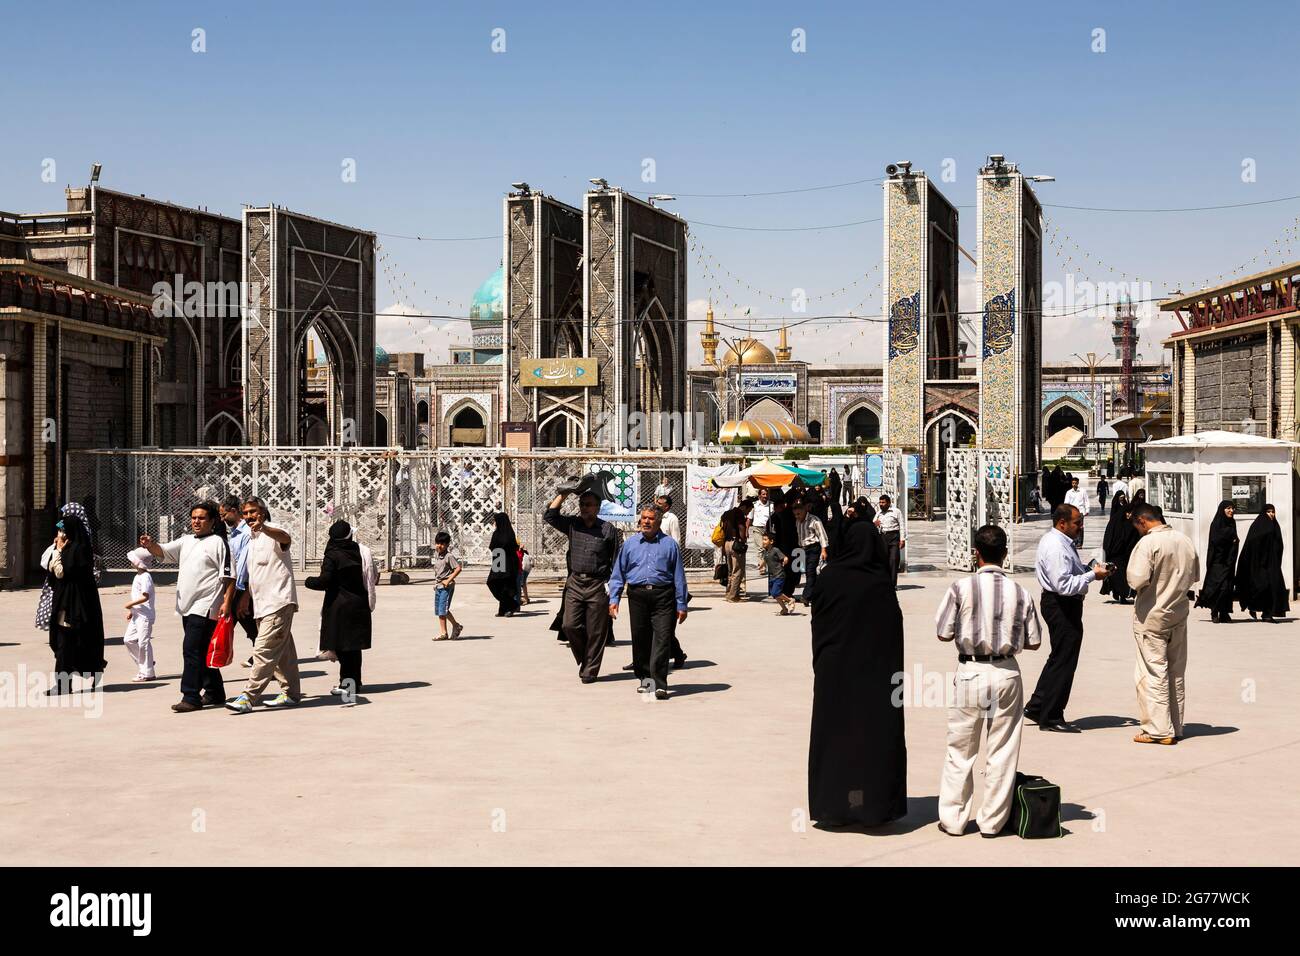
[
  {"x": 903, "y": 168},
  {"x": 997, "y": 159}
]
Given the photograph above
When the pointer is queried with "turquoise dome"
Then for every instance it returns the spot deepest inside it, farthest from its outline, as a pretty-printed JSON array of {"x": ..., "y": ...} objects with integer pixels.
[
  {"x": 381, "y": 355},
  {"x": 487, "y": 306},
  {"x": 498, "y": 359}
]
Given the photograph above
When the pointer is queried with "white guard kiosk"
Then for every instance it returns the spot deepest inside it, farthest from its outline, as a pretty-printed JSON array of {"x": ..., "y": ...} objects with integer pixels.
[{"x": 1188, "y": 475}]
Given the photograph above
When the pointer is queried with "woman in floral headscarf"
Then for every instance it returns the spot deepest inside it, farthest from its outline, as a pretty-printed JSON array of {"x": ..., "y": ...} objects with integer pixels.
[{"x": 47, "y": 592}]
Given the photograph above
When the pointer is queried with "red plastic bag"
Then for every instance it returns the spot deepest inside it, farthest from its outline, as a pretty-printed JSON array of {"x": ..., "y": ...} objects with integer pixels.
[{"x": 221, "y": 649}]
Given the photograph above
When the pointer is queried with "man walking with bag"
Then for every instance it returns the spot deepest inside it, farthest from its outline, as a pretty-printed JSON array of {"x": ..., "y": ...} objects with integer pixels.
[
  {"x": 273, "y": 593},
  {"x": 205, "y": 588},
  {"x": 991, "y": 619},
  {"x": 1161, "y": 569}
]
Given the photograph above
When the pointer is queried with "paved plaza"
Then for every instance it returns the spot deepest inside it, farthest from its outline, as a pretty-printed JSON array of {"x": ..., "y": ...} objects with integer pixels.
[{"x": 489, "y": 751}]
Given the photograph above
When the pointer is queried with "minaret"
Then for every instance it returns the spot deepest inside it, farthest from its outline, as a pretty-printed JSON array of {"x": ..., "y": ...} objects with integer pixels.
[
  {"x": 709, "y": 339},
  {"x": 783, "y": 347}
]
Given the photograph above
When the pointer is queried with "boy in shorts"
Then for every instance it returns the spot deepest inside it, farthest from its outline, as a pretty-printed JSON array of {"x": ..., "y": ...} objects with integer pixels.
[
  {"x": 445, "y": 571},
  {"x": 774, "y": 563}
]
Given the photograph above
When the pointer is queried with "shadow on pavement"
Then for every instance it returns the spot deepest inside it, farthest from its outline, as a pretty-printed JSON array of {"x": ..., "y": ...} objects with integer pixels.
[
  {"x": 385, "y": 688},
  {"x": 1206, "y": 730},
  {"x": 686, "y": 690},
  {"x": 1104, "y": 722}
]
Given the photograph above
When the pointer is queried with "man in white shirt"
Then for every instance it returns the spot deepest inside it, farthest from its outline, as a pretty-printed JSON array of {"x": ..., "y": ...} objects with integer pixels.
[
  {"x": 205, "y": 588},
  {"x": 274, "y": 594},
  {"x": 1064, "y": 580},
  {"x": 887, "y": 520},
  {"x": 813, "y": 541},
  {"x": 1119, "y": 485},
  {"x": 1079, "y": 498},
  {"x": 758, "y": 519},
  {"x": 991, "y": 619},
  {"x": 670, "y": 525}
]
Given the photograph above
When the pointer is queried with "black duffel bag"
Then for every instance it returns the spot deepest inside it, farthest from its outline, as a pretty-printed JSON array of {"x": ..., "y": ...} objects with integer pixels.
[{"x": 1035, "y": 809}]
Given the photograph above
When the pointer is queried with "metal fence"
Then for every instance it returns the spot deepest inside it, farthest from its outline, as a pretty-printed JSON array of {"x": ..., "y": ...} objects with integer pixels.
[
  {"x": 980, "y": 491},
  {"x": 396, "y": 500}
]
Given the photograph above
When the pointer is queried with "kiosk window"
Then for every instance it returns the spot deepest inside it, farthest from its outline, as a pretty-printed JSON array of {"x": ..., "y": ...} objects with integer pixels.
[{"x": 1247, "y": 492}]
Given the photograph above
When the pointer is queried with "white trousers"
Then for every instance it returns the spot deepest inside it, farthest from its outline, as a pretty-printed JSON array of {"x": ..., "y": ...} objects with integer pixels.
[
  {"x": 138, "y": 642},
  {"x": 987, "y": 698}
]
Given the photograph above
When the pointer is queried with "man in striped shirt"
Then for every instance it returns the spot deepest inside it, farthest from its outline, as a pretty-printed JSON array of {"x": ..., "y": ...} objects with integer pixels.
[{"x": 991, "y": 619}]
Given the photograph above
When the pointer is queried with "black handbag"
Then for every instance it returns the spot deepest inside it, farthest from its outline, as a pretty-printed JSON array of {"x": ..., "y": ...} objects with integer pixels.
[{"x": 1035, "y": 809}]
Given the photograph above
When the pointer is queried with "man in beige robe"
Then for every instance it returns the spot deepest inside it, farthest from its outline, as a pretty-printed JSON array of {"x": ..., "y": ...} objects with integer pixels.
[{"x": 1161, "y": 569}]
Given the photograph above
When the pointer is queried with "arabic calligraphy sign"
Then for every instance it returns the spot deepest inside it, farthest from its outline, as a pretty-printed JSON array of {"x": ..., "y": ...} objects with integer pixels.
[
  {"x": 760, "y": 383},
  {"x": 558, "y": 372}
]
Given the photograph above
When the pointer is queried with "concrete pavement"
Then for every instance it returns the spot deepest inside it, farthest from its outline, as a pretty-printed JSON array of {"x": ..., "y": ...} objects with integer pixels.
[{"x": 489, "y": 751}]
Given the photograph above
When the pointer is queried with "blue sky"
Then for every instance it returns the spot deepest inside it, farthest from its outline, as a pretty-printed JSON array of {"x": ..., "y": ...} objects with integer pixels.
[{"x": 439, "y": 126}]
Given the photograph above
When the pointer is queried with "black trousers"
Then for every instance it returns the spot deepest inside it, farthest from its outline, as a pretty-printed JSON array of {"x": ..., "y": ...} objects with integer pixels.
[
  {"x": 586, "y": 623},
  {"x": 196, "y": 676},
  {"x": 249, "y": 622},
  {"x": 652, "y": 612},
  {"x": 350, "y": 669},
  {"x": 812, "y": 554},
  {"x": 891, "y": 553},
  {"x": 1064, "y": 617}
]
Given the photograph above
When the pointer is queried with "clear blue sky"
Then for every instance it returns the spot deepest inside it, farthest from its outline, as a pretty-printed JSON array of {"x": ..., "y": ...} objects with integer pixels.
[{"x": 439, "y": 125}]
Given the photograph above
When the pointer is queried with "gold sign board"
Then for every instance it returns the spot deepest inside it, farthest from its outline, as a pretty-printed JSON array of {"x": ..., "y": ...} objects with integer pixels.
[{"x": 558, "y": 372}]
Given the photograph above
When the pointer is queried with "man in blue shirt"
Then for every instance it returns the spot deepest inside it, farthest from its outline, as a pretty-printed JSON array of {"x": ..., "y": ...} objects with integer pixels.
[
  {"x": 650, "y": 567},
  {"x": 1064, "y": 580},
  {"x": 237, "y": 538}
]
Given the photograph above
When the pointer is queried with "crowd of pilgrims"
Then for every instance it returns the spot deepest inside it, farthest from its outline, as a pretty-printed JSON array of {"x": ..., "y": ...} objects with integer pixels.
[{"x": 857, "y": 742}]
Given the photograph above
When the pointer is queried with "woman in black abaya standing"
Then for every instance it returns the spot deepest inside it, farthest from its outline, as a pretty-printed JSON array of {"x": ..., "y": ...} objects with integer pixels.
[
  {"x": 1220, "y": 565},
  {"x": 503, "y": 579},
  {"x": 1117, "y": 545},
  {"x": 76, "y": 618},
  {"x": 1260, "y": 585},
  {"x": 857, "y": 754},
  {"x": 345, "y": 625}
]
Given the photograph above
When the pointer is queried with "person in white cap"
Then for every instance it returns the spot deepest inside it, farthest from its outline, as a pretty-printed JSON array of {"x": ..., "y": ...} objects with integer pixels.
[{"x": 138, "y": 639}]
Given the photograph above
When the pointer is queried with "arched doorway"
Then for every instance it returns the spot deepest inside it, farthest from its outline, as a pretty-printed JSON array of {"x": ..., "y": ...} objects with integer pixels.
[
  {"x": 468, "y": 428},
  {"x": 560, "y": 430},
  {"x": 862, "y": 427},
  {"x": 948, "y": 429},
  {"x": 1066, "y": 416},
  {"x": 381, "y": 430},
  {"x": 319, "y": 388}
]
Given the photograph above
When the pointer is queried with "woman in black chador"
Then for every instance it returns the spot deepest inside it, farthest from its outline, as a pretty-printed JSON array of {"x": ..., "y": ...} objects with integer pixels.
[
  {"x": 1220, "y": 565},
  {"x": 76, "y": 619},
  {"x": 345, "y": 614},
  {"x": 503, "y": 578},
  {"x": 1117, "y": 545},
  {"x": 1260, "y": 585},
  {"x": 857, "y": 755}
]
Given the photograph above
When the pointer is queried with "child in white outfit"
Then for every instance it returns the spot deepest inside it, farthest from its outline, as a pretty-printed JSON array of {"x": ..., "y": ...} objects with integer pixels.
[{"x": 140, "y": 615}]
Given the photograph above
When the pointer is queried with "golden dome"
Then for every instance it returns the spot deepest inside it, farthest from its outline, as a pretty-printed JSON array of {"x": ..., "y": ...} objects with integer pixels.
[{"x": 752, "y": 352}]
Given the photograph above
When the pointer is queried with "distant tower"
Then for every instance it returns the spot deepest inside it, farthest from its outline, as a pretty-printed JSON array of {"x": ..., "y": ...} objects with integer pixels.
[
  {"x": 709, "y": 339},
  {"x": 1124, "y": 337},
  {"x": 783, "y": 347}
]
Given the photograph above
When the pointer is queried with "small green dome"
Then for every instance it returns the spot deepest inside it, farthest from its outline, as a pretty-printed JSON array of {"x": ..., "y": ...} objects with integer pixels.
[
  {"x": 381, "y": 355},
  {"x": 487, "y": 306}
]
